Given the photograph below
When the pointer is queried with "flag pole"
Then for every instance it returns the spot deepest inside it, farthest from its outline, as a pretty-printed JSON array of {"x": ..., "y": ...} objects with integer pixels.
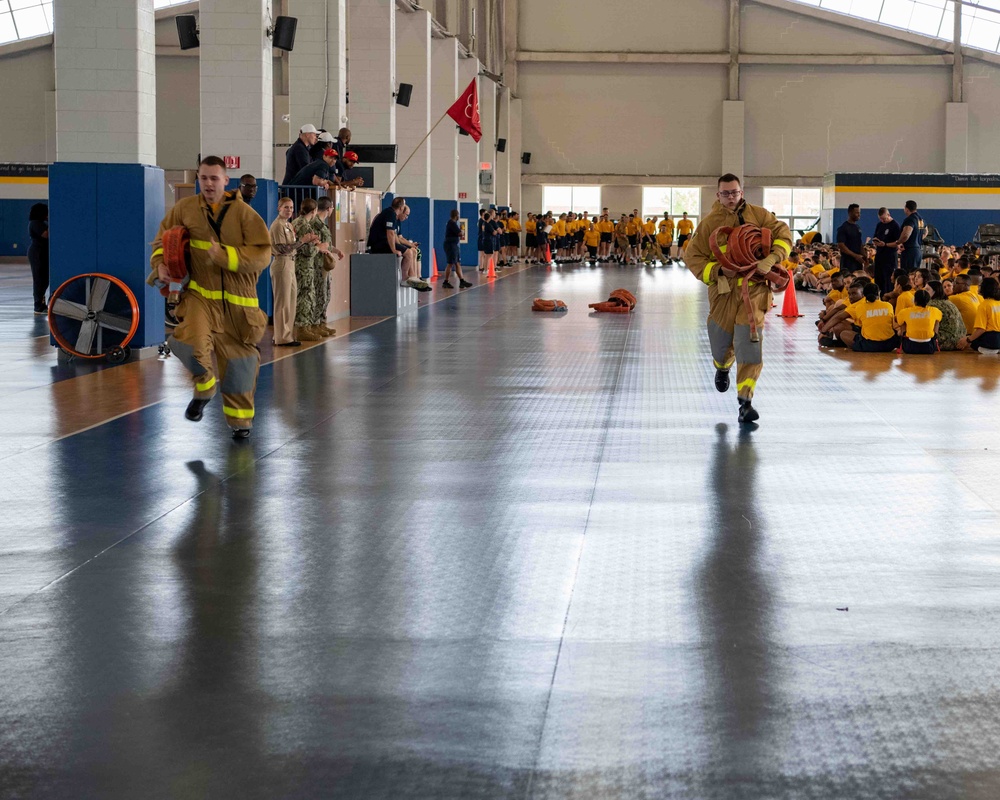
[{"x": 428, "y": 136}]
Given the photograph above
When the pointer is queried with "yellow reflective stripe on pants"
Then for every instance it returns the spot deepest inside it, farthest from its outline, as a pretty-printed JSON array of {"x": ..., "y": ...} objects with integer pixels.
[
  {"x": 749, "y": 383},
  {"x": 238, "y": 413},
  {"x": 783, "y": 245},
  {"x": 235, "y": 299},
  {"x": 233, "y": 259},
  {"x": 706, "y": 275},
  {"x": 722, "y": 366},
  {"x": 210, "y": 294},
  {"x": 204, "y": 387}
]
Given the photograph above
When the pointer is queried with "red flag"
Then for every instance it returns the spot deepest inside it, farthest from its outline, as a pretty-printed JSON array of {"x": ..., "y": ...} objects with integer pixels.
[{"x": 465, "y": 112}]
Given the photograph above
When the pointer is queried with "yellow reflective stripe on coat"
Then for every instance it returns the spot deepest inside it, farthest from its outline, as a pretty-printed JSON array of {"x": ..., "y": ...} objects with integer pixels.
[
  {"x": 204, "y": 387},
  {"x": 233, "y": 258},
  {"x": 706, "y": 275},
  {"x": 784, "y": 246},
  {"x": 235, "y": 299},
  {"x": 158, "y": 251},
  {"x": 201, "y": 244},
  {"x": 238, "y": 413},
  {"x": 749, "y": 383}
]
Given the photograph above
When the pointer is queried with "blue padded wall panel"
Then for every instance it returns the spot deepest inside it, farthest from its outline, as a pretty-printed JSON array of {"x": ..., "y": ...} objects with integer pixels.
[
  {"x": 14, "y": 239},
  {"x": 420, "y": 228},
  {"x": 470, "y": 253}
]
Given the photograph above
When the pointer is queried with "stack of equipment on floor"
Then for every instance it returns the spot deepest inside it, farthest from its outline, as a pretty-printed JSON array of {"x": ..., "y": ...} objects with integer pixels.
[
  {"x": 548, "y": 305},
  {"x": 621, "y": 301}
]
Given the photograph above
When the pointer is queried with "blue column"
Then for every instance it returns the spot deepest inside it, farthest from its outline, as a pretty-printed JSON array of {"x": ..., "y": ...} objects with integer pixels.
[
  {"x": 420, "y": 228},
  {"x": 103, "y": 218},
  {"x": 264, "y": 203},
  {"x": 470, "y": 253}
]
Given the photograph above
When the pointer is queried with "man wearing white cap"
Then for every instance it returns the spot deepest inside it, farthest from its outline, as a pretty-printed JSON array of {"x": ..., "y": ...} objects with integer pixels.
[
  {"x": 323, "y": 143},
  {"x": 297, "y": 156}
]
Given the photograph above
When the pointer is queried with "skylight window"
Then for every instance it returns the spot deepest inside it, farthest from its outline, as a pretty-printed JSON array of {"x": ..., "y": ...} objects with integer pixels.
[
  {"x": 935, "y": 18},
  {"x": 26, "y": 19}
]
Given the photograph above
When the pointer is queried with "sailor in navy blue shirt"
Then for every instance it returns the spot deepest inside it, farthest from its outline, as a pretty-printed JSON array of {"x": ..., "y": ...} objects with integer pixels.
[
  {"x": 886, "y": 259},
  {"x": 912, "y": 238},
  {"x": 849, "y": 242}
]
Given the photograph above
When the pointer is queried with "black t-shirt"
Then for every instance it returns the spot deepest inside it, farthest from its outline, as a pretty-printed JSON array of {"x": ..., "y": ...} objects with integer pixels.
[
  {"x": 378, "y": 238},
  {"x": 339, "y": 146},
  {"x": 849, "y": 234},
  {"x": 296, "y": 157},
  {"x": 315, "y": 169},
  {"x": 452, "y": 231},
  {"x": 916, "y": 239},
  {"x": 886, "y": 232}
]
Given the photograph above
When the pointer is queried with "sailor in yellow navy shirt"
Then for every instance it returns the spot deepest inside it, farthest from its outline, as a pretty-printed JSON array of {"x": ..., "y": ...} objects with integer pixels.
[
  {"x": 685, "y": 228},
  {"x": 904, "y": 296},
  {"x": 665, "y": 236},
  {"x": 984, "y": 335},
  {"x": 607, "y": 230},
  {"x": 966, "y": 301},
  {"x": 592, "y": 241},
  {"x": 876, "y": 318},
  {"x": 530, "y": 238},
  {"x": 513, "y": 238},
  {"x": 918, "y": 325}
]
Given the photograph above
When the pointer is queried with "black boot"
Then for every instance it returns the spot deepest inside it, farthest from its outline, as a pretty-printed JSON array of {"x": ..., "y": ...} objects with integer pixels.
[
  {"x": 748, "y": 413},
  {"x": 722, "y": 380},
  {"x": 241, "y": 433},
  {"x": 196, "y": 408}
]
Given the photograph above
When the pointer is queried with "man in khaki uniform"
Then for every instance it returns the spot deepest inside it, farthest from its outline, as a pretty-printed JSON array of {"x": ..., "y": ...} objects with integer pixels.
[
  {"x": 728, "y": 323},
  {"x": 219, "y": 312}
]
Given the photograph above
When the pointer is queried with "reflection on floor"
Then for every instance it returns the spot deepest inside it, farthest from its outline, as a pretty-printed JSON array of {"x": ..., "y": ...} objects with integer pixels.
[{"x": 480, "y": 552}]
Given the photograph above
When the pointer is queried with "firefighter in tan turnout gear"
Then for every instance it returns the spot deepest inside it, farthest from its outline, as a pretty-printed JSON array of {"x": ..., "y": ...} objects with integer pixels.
[
  {"x": 219, "y": 312},
  {"x": 729, "y": 328}
]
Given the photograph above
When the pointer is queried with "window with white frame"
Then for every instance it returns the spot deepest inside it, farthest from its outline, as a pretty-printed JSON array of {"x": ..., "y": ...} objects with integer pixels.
[
  {"x": 576, "y": 199},
  {"x": 673, "y": 200},
  {"x": 798, "y": 207}
]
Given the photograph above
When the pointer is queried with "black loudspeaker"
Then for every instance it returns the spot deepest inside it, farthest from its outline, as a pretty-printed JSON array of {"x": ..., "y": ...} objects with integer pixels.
[
  {"x": 375, "y": 153},
  {"x": 463, "y": 132},
  {"x": 283, "y": 37},
  {"x": 501, "y": 145},
  {"x": 187, "y": 31},
  {"x": 525, "y": 158},
  {"x": 403, "y": 95}
]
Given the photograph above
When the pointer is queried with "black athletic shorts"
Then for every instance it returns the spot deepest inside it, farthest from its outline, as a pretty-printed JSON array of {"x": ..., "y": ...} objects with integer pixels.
[
  {"x": 606, "y": 238},
  {"x": 681, "y": 239},
  {"x": 452, "y": 253},
  {"x": 920, "y": 348},
  {"x": 988, "y": 340},
  {"x": 578, "y": 236},
  {"x": 592, "y": 249},
  {"x": 863, "y": 345},
  {"x": 530, "y": 240},
  {"x": 514, "y": 239},
  {"x": 633, "y": 241}
]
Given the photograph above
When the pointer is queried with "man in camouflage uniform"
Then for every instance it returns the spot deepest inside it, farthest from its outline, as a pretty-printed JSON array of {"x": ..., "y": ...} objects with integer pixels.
[{"x": 308, "y": 259}]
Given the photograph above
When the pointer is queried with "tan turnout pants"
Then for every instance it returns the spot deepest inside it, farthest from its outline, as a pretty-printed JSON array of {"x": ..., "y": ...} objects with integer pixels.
[
  {"x": 729, "y": 330},
  {"x": 231, "y": 332}
]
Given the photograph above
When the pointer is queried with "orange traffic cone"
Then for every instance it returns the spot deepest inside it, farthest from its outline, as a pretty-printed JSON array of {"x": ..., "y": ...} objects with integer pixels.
[
  {"x": 790, "y": 308},
  {"x": 548, "y": 254},
  {"x": 491, "y": 272},
  {"x": 434, "y": 265}
]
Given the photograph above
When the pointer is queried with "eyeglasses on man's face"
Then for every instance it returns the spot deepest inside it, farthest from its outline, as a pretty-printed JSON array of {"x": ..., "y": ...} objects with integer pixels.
[{"x": 735, "y": 193}]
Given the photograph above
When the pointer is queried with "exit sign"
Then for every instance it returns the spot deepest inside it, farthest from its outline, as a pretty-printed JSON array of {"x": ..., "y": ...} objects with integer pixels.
[
  {"x": 486, "y": 165},
  {"x": 463, "y": 195},
  {"x": 232, "y": 162}
]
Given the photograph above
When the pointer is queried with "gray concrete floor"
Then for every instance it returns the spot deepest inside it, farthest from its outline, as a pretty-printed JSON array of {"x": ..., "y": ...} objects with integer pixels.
[{"x": 479, "y": 552}]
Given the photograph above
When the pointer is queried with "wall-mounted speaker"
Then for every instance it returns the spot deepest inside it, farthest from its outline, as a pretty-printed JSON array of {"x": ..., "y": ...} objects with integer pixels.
[
  {"x": 525, "y": 158},
  {"x": 283, "y": 36},
  {"x": 403, "y": 95},
  {"x": 187, "y": 31},
  {"x": 463, "y": 132},
  {"x": 501, "y": 145}
]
